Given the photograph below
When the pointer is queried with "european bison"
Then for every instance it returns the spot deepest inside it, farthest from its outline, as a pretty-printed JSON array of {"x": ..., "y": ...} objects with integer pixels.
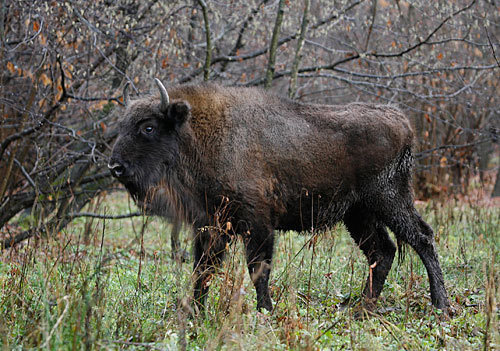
[{"x": 250, "y": 162}]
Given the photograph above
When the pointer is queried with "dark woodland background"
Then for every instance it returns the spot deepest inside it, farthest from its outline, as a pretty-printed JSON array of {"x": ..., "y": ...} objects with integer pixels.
[{"x": 64, "y": 65}]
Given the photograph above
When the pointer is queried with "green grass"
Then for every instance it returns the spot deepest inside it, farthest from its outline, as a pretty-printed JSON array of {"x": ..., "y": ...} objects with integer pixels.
[{"x": 89, "y": 287}]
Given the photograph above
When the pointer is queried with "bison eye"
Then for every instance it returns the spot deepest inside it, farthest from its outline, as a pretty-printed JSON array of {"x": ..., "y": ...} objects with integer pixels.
[{"x": 148, "y": 130}]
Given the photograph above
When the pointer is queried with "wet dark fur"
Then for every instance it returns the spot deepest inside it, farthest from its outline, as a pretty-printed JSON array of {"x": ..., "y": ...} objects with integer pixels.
[{"x": 273, "y": 163}]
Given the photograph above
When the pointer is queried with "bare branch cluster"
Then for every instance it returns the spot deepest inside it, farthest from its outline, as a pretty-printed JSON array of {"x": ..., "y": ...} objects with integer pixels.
[{"x": 66, "y": 62}]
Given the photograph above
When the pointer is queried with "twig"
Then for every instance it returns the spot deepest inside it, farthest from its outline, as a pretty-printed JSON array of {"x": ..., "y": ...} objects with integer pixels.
[
  {"x": 102, "y": 216},
  {"x": 208, "y": 52},
  {"x": 84, "y": 98},
  {"x": 10, "y": 163},
  {"x": 444, "y": 147},
  {"x": 492, "y": 48},
  {"x": 274, "y": 45},
  {"x": 428, "y": 37},
  {"x": 16, "y": 136},
  {"x": 327, "y": 329},
  {"x": 355, "y": 56},
  {"x": 239, "y": 41},
  {"x": 59, "y": 320},
  {"x": 374, "y": 13},
  {"x": 296, "y": 61},
  {"x": 11, "y": 242},
  {"x": 25, "y": 173},
  {"x": 259, "y": 52}
]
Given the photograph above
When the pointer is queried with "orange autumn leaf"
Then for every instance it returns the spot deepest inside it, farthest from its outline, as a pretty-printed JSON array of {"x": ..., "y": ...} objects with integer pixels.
[
  {"x": 28, "y": 74},
  {"x": 440, "y": 56},
  {"x": 442, "y": 161},
  {"x": 43, "y": 39},
  {"x": 41, "y": 103},
  {"x": 36, "y": 26},
  {"x": 10, "y": 67},
  {"x": 45, "y": 80}
]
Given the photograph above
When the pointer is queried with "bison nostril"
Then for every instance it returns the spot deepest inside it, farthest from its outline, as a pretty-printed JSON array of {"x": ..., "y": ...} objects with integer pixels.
[{"x": 116, "y": 169}]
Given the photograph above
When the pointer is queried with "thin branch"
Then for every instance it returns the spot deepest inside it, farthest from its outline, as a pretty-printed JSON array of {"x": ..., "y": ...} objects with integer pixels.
[
  {"x": 208, "y": 52},
  {"x": 11, "y": 242},
  {"x": 25, "y": 173},
  {"x": 296, "y": 61},
  {"x": 84, "y": 98},
  {"x": 427, "y": 38},
  {"x": 374, "y": 14},
  {"x": 274, "y": 45},
  {"x": 239, "y": 41},
  {"x": 46, "y": 116},
  {"x": 406, "y": 74},
  {"x": 332, "y": 67},
  {"x": 10, "y": 163},
  {"x": 492, "y": 48},
  {"x": 259, "y": 52},
  {"x": 102, "y": 216},
  {"x": 355, "y": 56},
  {"x": 388, "y": 87},
  {"x": 423, "y": 154},
  {"x": 14, "y": 137}
]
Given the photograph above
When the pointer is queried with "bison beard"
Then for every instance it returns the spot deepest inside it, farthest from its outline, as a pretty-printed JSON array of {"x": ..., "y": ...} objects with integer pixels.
[{"x": 274, "y": 164}]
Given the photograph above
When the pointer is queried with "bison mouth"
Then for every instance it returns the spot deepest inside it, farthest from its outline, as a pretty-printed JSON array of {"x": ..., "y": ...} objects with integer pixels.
[
  {"x": 142, "y": 197},
  {"x": 160, "y": 192},
  {"x": 157, "y": 198}
]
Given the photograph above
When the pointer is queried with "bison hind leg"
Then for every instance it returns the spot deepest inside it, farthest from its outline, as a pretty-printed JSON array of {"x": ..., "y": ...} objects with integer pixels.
[
  {"x": 259, "y": 251},
  {"x": 209, "y": 251},
  {"x": 410, "y": 228},
  {"x": 374, "y": 240}
]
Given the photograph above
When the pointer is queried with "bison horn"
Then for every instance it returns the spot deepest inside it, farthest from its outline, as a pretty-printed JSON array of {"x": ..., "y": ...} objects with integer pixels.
[
  {"x": 126, "y": 98},
  {"x": 164, "y": 95}
]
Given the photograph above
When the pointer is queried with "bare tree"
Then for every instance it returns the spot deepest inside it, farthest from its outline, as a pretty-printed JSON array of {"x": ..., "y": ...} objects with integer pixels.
[{"x": 65, "y": 64}]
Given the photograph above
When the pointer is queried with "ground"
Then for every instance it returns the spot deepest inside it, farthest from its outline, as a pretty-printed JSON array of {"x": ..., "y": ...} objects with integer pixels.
[{"x": 112, "y": 284}]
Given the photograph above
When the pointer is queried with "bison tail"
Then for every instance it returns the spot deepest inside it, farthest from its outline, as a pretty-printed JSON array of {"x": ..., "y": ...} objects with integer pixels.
[
  {"x": 405, "y": 161},
  {"x": 404, "y": 166}
]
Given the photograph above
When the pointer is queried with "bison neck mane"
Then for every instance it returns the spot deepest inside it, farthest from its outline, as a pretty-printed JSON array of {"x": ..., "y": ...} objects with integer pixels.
[{"x": 180, "y": 190}]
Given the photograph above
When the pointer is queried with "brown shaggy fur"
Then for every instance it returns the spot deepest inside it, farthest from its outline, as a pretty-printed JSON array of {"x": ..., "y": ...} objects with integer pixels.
[{"x": 273, "y": 163}]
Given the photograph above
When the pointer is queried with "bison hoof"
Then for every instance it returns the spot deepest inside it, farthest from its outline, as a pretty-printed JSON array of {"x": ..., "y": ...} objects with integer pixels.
[
  {"x": 267, "y": 305},
  {"x": 182, "y": 255}
]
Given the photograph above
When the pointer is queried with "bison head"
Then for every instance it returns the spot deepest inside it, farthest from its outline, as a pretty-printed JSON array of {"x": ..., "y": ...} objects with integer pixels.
[{"x": 147, "y": 148}]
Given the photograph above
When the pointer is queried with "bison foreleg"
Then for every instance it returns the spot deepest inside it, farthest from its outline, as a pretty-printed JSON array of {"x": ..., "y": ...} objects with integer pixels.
[
  {"x": 209, "y": 250},
  {"x": 373, "y": 239},
  {"x": 259, "y": 251},
  {"x": 174, "y": 239},
  {"x": 424, "y": 246}
]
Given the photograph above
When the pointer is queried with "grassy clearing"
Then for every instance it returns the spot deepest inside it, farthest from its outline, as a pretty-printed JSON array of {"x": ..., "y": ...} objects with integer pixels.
[{"x": 112, "y": 285}]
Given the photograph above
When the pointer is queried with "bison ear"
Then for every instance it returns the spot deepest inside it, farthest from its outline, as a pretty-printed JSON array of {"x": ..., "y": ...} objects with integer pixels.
[{"x": 179, "y": 112}]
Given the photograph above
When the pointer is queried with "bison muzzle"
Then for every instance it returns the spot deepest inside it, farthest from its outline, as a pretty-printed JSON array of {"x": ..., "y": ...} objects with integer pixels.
[{"x": 245, "y": 161}]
